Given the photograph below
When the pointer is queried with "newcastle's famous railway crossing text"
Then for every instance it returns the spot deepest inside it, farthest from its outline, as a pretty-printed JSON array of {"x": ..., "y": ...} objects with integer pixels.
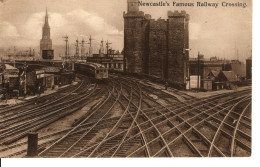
[{"x": 193, "y": 4}]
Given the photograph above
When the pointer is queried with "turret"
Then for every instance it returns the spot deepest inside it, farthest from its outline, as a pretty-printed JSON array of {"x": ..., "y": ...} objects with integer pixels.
[{"x": 132, "y": 6}]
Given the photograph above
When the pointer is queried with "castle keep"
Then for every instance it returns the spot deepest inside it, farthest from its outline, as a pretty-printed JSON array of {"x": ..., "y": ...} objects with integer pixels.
[{"x": 158, "y": 48}]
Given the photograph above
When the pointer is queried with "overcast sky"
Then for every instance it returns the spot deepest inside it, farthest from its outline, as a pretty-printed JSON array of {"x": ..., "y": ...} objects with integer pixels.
[{"x": 213, "y": 31}]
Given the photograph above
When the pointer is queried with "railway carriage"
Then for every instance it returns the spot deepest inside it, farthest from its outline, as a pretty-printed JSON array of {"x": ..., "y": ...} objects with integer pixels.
[{"x": 95, "y": 70}]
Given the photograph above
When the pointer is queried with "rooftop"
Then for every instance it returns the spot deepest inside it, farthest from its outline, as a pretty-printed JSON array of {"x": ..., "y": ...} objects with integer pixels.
[
  {"x": 9, "y": 67},
  {"x": 230, "y": 75},
  {"x": 215, "y": 72}
]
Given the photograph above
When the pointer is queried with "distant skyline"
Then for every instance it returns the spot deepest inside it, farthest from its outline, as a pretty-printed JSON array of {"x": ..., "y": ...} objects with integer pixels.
[{"x": 213, "y": 31}]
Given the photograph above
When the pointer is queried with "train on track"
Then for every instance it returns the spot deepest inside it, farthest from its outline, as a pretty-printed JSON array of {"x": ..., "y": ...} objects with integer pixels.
[{"x": 98, "y": 71}]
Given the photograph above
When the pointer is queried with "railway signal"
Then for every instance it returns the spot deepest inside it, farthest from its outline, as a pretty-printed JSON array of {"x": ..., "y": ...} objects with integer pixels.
[
  {"x": 25, "y": 66},
  {"x": 90, "y": 41},
  {"x": 66, "y": 40},
  {"x": 77, "y": 48},
  {"x": 82, "y": 49},
  {"x": 90, "y": 46},
  {"x": 102, "y": 42},
  {"x": 107, "y": 45}
]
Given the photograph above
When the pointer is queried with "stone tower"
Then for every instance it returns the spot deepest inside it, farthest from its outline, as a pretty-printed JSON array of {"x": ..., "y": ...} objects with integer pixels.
[
  {"x": 46, "y": 42},
  {"x": 132, "y": 6},
  {"x": 178, "y": 45},
  {"x": 135, "y": 38},
  {"x": 159, "y": 48}
]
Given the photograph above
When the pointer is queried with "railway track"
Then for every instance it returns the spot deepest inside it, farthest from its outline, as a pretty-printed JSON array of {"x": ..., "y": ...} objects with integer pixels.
[
  {"x": 35, "y": 102},
  {"x": 98, "y": 114},
  {"x": 216, "y": 126},
  {"x": 186, "y": 139},
  {"x": 15, "y": 126},
  {"x": 148, "y": 85}
]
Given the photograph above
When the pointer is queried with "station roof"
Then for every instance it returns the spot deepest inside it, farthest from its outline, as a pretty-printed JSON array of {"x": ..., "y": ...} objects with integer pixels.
[
  {"x": 10, "y": 70},
  {"x": 230, "y": 75},
  {"x": 9, "y": 67},
  {"x": 215, "y": 72},
  {"x": 96, "y": 65}
]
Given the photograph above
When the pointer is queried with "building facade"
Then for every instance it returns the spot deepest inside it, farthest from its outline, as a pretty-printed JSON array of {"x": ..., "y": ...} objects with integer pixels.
[
  {"x": 46, "y": 42},
  {"x": 158, "y": 48},
  {"x": 249, "y": 68},
  {"x": 113, "y": 61},
  {"x": 203, "y": 67}
]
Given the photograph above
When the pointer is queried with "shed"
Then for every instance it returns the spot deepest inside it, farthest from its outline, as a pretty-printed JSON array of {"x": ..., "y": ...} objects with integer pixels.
[
  {"x": 11, "y": 76},
  {"x": 213, "y": 74},
  {"x": 228, "y": 79},
  {"x": 10, "y": 71},
  {"x": 49, "y": 80},
  {"x": 53, "y": 70},
  {"x": 34, "y": 79},
  {"x": 229, "y": 76},
  {"x": 67, "y": 78},
  {"x": 210, "y": 82}
]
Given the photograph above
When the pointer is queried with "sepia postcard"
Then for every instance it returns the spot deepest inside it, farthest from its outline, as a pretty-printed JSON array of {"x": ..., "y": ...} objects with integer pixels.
[{"x": 125, "y": 78}]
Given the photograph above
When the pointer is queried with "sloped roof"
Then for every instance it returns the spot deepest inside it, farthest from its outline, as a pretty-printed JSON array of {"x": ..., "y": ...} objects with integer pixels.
[
  {"x": 9, "y": 67},
  {"x": 215, "y": 72},
  {"x": 95, "y": 65},
  {"x": 230, "y": 75}
]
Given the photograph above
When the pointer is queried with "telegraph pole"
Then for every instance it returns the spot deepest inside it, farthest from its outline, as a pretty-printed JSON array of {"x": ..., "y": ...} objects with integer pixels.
[
  {"x": 25, "y": 80},
  {"x": 90, "y": 44},
  {"x": 82, "y": 49},
  {"x": 107, "y": 45},
  {"x": 102, "y": 42},
  {"x": 90, "y": 41},
  {"x": 77, "y": 48},
  {"x": 198, "y": 71},
  {"x": 14, "y": 55},
  {"x": 101, "y": 51},
  {"x": 66, "y": 52}
]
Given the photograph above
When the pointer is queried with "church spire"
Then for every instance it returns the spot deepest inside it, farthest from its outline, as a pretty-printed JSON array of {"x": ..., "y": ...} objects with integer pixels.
[
  {"x": 46, "y": 42},
  {"x": 46, "y": 17}
]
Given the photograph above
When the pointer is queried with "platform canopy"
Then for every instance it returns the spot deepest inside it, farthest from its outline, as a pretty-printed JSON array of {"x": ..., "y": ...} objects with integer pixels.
[{"x": 10, "y": 70}]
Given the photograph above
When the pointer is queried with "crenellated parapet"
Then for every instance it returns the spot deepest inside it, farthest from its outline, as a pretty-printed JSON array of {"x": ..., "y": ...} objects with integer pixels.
[
  {"x": 159, "y": 24},
  {"x": 178, "y": 14},
  {"x": 134, "y": 14},
  {"x": 159, "y": 47}
]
